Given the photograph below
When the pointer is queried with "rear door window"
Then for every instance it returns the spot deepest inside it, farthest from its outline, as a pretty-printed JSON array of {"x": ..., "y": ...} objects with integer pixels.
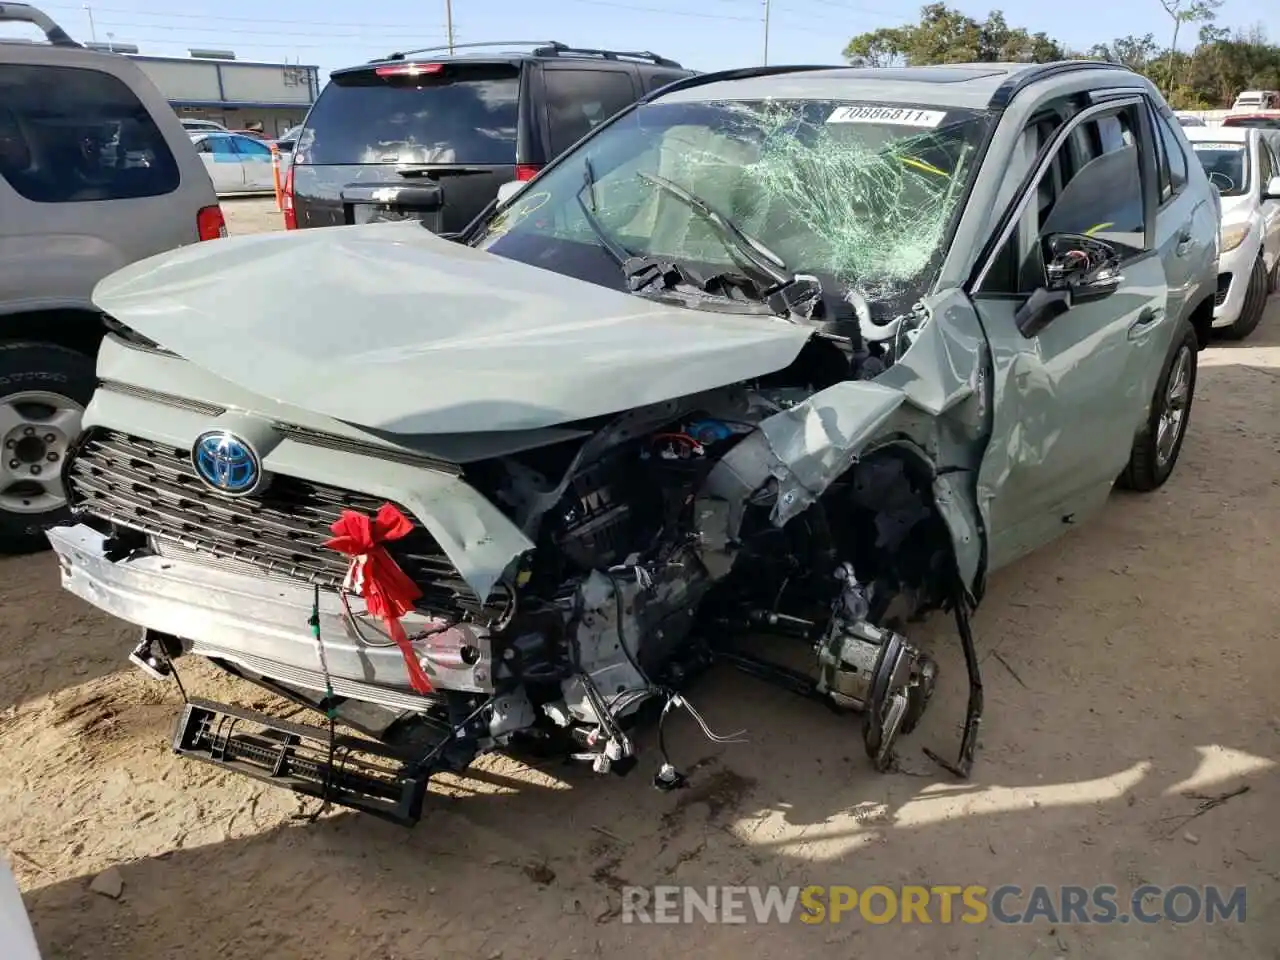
[
  {"x": 220, "y": 146},
  {"x": 70, "y": 134},
  {"x": 439, "y": 113},
  {"x": 1173, "y": 150},
  {"x": 581, "y": 99},
  {"x": 252, "y": 148}
]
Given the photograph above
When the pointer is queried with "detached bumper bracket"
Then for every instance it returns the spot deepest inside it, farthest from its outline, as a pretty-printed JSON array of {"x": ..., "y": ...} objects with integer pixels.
[{"x": 366, "y": 776}]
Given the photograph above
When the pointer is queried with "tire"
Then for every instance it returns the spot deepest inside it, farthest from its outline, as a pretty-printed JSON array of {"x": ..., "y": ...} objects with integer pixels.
[
  {"x": 1255, "y": 304},
  {"x": 43, "y": 389},
  {"x": 1150, "y": 462}
]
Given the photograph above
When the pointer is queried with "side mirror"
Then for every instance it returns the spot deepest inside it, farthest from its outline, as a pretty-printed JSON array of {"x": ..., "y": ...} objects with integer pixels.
[
  {"x": 1086, "y": 266},
  {"x": 1272, "y": 190},
  {"x": 509, "y": 190},
  {"x": 1041, "y": 309},
  {"x": 1078, "y": 269}
]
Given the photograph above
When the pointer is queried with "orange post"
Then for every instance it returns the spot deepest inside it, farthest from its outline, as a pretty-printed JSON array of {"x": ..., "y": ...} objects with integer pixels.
[{"x": 275, "y": 176}]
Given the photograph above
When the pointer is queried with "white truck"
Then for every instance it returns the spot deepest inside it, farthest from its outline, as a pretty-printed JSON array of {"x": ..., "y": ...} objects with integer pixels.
[{"x": 1251, "y": 100}]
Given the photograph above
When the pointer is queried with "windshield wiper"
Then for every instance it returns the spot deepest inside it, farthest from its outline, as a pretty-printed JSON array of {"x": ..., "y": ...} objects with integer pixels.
[
  {"x": 616, "y": 250},
  {"x": 748, "y": 247}
]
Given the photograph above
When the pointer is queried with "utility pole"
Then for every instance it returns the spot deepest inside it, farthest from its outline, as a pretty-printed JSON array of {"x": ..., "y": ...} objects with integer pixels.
[
  {"x": 93, "y": 31},
  {"x": 448, "y": 22},
  {"x": 766, "y": 32}
]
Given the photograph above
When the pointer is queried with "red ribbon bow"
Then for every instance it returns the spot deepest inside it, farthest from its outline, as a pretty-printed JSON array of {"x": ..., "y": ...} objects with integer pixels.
[{"x": 387, "y": 591}]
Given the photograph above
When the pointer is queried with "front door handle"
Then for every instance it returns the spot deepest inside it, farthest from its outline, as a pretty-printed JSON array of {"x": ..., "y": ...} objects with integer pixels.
[{"x": 1146, "y": 320}]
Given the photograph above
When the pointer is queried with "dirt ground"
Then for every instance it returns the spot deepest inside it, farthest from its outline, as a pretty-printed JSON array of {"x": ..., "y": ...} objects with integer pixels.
[
  {"x": 1131, "y": 664},
  {"x": 251, "y": 215}
]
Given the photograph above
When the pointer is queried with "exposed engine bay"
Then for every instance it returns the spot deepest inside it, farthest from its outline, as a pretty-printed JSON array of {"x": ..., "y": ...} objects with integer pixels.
[
  {"x": 640, "y": 587},
  {"x": 654, "y": 559}
]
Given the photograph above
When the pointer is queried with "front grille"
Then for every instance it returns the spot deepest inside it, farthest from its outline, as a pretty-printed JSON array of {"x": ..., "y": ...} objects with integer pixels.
[{"x": 153, "y": 488}]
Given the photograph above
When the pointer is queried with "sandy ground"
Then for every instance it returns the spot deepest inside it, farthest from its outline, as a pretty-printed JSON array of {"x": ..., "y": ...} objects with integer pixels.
[
  {"x": 251, "y": 215},
  {"x": 1130, "y": 664}
]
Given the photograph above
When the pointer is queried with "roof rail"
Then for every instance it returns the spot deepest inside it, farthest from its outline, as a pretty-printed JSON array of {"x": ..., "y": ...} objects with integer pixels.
[
  {"x": 555, "y": 49},
  {"x": 739, "y": 73},
  {"x": 543, "y": 48},
  {"x": 1019, "y": 81},
  {"x": 449, "y": 48},
  {"x": 25, "y": 13}
]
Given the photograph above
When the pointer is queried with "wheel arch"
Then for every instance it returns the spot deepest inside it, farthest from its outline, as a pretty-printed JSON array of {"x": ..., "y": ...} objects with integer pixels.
[
  {"x": 75, "y": 328},
  {"x": 1201, "y": 320}
]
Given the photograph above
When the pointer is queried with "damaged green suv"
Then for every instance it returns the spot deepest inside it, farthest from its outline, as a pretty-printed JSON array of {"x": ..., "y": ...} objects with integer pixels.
[{"x": 779, "y": 357}]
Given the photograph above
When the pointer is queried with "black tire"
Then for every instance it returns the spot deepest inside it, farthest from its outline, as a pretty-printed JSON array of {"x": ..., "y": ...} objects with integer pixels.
[
  {"x": 51, "y": 369},
  {"x": 1255, "y": 304},
  {"x": 1148, "y": 469}
]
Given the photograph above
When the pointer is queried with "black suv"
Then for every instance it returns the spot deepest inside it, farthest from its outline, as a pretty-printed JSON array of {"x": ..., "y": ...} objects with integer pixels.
[{"x": 431, "y": 137}]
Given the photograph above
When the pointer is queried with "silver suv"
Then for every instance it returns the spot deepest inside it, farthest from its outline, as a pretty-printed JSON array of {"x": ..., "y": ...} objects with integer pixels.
[
  {"x": 96, "y": 172},
  {"x": 798, "y": 352}
]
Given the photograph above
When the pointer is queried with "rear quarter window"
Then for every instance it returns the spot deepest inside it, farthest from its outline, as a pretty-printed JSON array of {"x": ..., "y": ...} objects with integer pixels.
[
  {"x": 580, "y": 99},
  {"x": 74, "y": 135},
  {"x": 465, "y": 114},
  {"x": 657, "y": 79}
]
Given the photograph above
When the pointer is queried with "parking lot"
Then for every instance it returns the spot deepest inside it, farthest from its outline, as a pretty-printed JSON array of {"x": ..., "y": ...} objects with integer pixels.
[{"x": 1128, "y": 666}]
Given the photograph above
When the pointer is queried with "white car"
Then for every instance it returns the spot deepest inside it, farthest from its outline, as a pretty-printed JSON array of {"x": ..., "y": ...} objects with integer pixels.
[
  {"x": 236, "y": 164},
  {"x": 1244, "y": 167},
  {"x": 200, "y": 126}
]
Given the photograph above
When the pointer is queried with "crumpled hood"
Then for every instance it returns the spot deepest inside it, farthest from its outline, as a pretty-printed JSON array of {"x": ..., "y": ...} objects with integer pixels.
[{"x": 390, "y": 327}]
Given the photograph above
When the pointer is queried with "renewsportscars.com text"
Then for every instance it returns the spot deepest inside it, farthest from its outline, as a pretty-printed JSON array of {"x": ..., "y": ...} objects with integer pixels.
[{"x": 940, "y": 904}]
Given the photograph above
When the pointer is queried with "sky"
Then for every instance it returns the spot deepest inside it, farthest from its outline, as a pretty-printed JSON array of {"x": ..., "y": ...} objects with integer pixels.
[{"x": 707, "y": 35}]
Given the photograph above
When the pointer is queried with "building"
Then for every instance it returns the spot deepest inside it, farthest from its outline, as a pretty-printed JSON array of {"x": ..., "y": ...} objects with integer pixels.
[{"x": 240, "y": 94}]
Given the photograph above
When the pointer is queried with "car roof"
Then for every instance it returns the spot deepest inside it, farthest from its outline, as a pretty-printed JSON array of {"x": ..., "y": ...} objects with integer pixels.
[
  {"x": 505, "y": 51},
  {"x": 958, "y": 85},
  {"x": 1219, "y": 134},
  {"x": 206, "y": 134}
]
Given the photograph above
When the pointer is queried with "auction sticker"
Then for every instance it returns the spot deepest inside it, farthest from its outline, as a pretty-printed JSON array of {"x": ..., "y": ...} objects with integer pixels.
[{"x": 901, "y": 116}]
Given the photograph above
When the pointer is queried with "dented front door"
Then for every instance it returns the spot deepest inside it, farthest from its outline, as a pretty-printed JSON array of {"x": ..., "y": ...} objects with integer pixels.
[
  {"x": 1068, "y": 401},
  {"x": 1064, "y": 417}
]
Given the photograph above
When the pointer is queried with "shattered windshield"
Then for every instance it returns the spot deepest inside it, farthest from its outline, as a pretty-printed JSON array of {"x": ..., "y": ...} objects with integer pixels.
[{"x": 859, "y": 195}]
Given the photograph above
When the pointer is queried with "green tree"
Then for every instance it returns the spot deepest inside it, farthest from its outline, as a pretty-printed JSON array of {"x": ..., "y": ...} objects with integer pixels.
[
  {"x": 1226, "y": 63},
  {"x": 1136, "y": 53},
  {"x": 879, "y": 48},
  {"x": 944, "y": 35},
  {"x": 1223, "y": 63},
  {"x": 1186, "y": 11}
]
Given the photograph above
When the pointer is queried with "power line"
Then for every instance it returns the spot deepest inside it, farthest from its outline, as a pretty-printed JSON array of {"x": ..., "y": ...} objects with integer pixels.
[
  {"x": 167, "y": 15},
  {"x": 338, "y": 37},
  {"x": 666, "y": 12},
  {"x": 365, "y": 24},
  {"x": 304, "y": 28},
  {"x": 375, "y": 46},
  {"x": 851, "y": 9}
]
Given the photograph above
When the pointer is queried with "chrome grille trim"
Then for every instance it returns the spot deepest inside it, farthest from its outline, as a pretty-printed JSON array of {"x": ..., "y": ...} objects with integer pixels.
[
  {"x": 167, "y": 399},
  {"x": 153, "y": 488},
  {"x": 316, "y": 438}
]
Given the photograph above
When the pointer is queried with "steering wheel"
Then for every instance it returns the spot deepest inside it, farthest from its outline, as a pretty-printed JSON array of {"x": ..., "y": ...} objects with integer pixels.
[{"x": 1221, "y": 181}]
